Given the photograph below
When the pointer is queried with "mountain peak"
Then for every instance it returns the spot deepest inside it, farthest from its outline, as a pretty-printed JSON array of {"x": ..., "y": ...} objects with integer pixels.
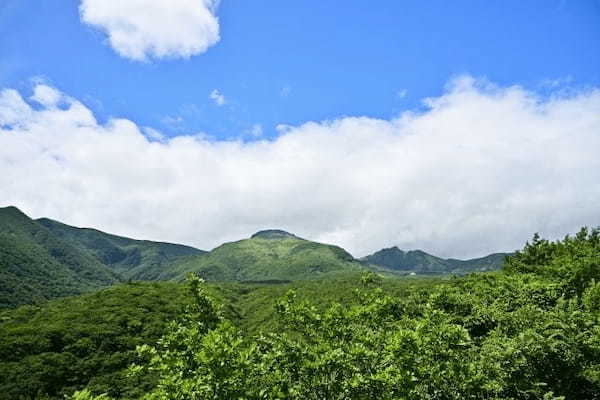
[
  {"x": 11, "y": 218},
  {"x": 391, "y": 250},
  {"x": 11, "y": 210},
  {"x": 273, "y": 234}
]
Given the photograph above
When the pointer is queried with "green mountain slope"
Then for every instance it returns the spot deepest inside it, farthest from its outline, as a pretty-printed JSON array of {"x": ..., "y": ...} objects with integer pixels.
[
  {"x": 132, "y": 259},
  {"x": 63, "y": 344},
  {"x": 423, "y": 263},
  {"x": 488, "y": 263},
  {"x": 90, "y": 340},
  {"x": 267, "y": 255},
  {"x": 491, "y": 335},
  {"x": 35, "y": 265}
]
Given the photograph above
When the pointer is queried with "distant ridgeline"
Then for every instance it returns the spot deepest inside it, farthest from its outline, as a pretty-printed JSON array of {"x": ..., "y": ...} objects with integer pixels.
[
  {"x": 418, "y": 261},
  {"x": 131, "y": 259},
  {"x": 43, "y": 259}
]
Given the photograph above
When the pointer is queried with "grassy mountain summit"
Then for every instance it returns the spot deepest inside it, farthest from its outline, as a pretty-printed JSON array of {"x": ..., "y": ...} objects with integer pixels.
[
  {"x": 268, "y": 255},
  {"x": 35, "y": 265},
  {"x": 132, "y": 259},
  {"x": 421, "y": 262},
  {"x": 273, "y": 234}
]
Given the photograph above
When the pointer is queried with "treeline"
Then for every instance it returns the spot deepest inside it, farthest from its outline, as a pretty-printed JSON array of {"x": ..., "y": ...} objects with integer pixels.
[
  {"x": 531, "y": 331},
  {"x": 49, "y": 351}
]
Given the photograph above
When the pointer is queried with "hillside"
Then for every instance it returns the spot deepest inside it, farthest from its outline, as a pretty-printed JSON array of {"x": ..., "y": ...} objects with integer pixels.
[
  {"x": 267, "y": 255},
  {"x": 132, "y": 259},
  {"x": 421, "y": 262},
  {"x": 528, "y": 332},
  {"x": 488, "y": 263},
  {"x": 90, "y": 340},
  {"x": 35, "y": 265},
  {"x": 54, "y": 348},
  {"x": 44, "y": 259},
  {"x": 483, "y": 336}
]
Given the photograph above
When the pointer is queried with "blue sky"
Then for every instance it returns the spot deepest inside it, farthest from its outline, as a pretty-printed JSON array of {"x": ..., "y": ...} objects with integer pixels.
[
  {"x": 284, "y": 62},
  {"x": 460, "y": 128}
]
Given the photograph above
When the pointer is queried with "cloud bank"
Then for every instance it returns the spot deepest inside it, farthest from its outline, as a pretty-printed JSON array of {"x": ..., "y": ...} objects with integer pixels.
[
  {"x": 143, "y": 29},
  {"x": 480, "y": 170}
]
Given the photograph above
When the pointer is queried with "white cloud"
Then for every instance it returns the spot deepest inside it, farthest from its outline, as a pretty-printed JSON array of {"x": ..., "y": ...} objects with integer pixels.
[
  {"x": 217, "y": 97},
  {"x": 402, "y": 93},
  {"x": 143, "y": 29},
  {"x": 480, "y": 170},
  {"x": 256, "y": 130},
  {"x": 46, "y": 96},
  {"x": 153, "y": 134},
  {"x": 13, "y": 109}
]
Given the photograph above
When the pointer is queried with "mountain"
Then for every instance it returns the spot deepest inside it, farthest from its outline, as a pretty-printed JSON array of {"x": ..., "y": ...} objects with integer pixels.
[
  {"x": 36, "y": 265},
  {"x": 488, "y": 263},
  {"x": 267, "y": 255},
  {"x": 43, "y": 259},
  {"x": 132, "y": 259},
  {"x": 421, "y": 262},
  {"x": 273, "y": 234}
]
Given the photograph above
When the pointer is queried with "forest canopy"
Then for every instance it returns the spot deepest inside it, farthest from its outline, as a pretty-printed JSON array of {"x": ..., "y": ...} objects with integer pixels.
[{"x": 530, "y": 331}]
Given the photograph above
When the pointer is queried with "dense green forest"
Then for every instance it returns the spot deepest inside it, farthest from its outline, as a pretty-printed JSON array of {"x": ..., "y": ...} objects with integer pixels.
[
  {"x": 132, "y": 259},
  {"x": 90, "y": 340},
  {"x": 530, "y": 331},
  {"x": 35, "y": 265},
  {"x": 45, "y": 259},
  {"x": 267, "y": 255}
]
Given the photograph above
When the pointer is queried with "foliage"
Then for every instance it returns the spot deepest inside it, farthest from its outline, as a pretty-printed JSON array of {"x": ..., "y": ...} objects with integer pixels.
[
  {"x": 531, "y": 332},
  {"x": 53, "y": 349},
  {"x": 90, "y": 340},
  {"x": 87, "y": 395},
  {"x": 267, "y": 256},
  {"x": 35, "y": 265},
  {"x": 132, "y": 259}
]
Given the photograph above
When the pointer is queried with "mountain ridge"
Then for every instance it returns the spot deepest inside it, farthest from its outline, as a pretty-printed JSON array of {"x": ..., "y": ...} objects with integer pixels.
[
  {"x": 35, "y": 265},
  {"x": 276, "y": 254},
  {"x": 419, "y": 261},
  {"x": 131, "y": 258},
  {"x": 43, "y": 259}
]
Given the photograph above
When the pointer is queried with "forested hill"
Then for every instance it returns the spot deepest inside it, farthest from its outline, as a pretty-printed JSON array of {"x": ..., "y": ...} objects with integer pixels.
[
  {"x": 36, "y": 265},
  {"x": 268, "y": 255},
  {"x": 43, "y": 259},
  {"x": 132, "y": 259},
  {"x": 527, "y": 332},
  {"x": 421, "y": 262}
]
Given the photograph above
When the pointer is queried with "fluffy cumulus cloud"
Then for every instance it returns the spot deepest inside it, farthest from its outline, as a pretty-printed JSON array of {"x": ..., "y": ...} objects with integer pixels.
[
  {"x": 480, "y": 170},
  {"x": 143, "y": 29},
  {"x": 217, "y": 97}
]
